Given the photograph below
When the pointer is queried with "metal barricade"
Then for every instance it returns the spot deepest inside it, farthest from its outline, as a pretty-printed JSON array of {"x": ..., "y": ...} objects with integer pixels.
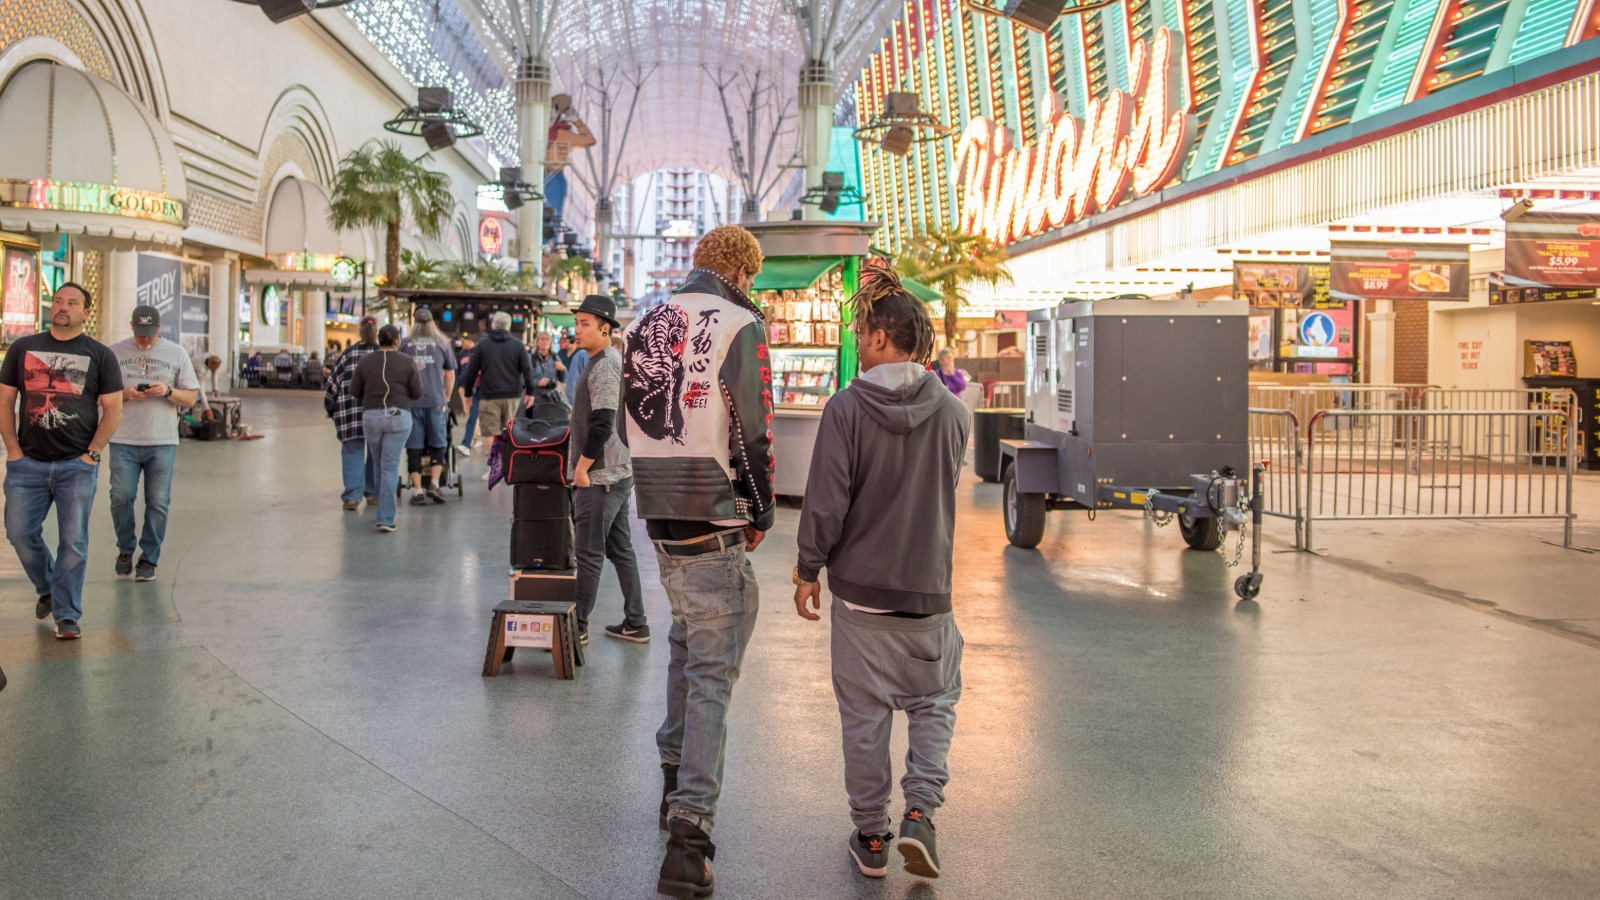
[
  {"x": 1561, "y": 400},
  {"x": 1274, "y": 437},
  {"x": 1006, "y": 395},
  {"x": 1305, "y": 401},
  {"x": 1418, "y": 475}
]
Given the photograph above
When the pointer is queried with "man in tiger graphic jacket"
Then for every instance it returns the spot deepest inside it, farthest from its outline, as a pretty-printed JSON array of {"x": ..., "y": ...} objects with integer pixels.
[{"x": 697, "y": 418}]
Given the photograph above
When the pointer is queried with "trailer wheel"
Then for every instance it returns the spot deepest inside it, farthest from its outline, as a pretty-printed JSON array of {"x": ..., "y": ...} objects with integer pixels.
[
  {"x": 1024, "y": 513},
  {"x": 1201, "y": 534}
]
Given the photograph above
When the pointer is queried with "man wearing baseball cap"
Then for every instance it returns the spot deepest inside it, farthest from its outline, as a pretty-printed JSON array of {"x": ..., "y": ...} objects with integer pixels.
[
  {"x": 602, "y": 476},
  {"x": 158, "y": 379}
]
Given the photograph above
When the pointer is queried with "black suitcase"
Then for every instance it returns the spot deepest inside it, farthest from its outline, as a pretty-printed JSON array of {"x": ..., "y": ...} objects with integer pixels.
[{"x": 541, "y": 527}]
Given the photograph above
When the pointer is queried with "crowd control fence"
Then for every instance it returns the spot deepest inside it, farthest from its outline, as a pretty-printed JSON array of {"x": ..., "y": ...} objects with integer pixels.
[{"x": 1275, "y": 439}]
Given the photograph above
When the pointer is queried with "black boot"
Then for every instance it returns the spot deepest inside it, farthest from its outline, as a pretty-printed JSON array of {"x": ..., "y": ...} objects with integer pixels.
[
  {"x": 686, "y": 870},
  {"x": 669, "y": 783}
]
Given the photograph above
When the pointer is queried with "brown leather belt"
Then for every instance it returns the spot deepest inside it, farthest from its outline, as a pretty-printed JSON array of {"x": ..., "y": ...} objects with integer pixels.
[{"x": 700, "y": 546}]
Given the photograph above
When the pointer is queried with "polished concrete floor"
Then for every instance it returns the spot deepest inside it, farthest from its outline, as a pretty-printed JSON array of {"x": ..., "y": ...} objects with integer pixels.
[{"x": 294, "y": 709}]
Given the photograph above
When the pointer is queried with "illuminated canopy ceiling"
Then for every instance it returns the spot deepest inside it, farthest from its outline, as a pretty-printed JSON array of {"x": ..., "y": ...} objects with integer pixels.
[{"x": 474, "y": 46}]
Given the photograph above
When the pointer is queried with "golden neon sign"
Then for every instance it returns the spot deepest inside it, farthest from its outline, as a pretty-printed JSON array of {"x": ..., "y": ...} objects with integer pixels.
[
  {"x": 1124, "y": 148},
  {"x": 77, "y": 196}
]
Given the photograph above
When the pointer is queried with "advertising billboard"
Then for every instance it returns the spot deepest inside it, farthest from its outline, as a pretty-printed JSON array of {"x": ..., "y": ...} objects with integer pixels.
[{"x": 1377, "y": 270}]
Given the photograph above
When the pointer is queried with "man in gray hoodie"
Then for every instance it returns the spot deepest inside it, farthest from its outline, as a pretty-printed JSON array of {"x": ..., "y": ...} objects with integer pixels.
[{"x": 879, "y": 515}]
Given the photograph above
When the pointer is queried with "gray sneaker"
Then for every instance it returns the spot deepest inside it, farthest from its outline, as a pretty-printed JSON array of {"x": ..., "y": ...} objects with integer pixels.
[
  {"x": 871, "y": 853},
  {"x": 146, "y": 571},
  {"x": 68, "y": 630},
  {"x": 124, "y": 564},
  {"x": 41, "y": 609},
  {"x": 918, "y": 845}
]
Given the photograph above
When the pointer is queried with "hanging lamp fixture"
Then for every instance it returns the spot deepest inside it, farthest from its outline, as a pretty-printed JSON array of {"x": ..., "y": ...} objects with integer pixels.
[
  {"x": 901, "y": 124},
  {"x": 434, "y": 120}
]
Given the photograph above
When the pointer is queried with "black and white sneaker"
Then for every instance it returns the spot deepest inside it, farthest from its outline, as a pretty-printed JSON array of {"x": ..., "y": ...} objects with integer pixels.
[
  {"x": 583, "y": 638},
  {"x": 871, "y": 853},
  {"x": 124, "y": 564},
  {"x": 41, "y": 609},
  {"x": 918, "y": 845},
  {"x": 638, "y": 634},
  {"x": 68, "y": 630},
  {"x": 145, "y": 572}
]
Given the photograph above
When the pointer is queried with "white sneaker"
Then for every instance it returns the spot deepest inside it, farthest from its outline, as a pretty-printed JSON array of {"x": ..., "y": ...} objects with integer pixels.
[
  {"x": 463, "y": 449},
  {"x": 485, "y": 477}
]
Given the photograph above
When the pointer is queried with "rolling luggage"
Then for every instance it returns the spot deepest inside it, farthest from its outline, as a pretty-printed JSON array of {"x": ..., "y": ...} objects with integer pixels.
[{"x": 541, "y": 527}]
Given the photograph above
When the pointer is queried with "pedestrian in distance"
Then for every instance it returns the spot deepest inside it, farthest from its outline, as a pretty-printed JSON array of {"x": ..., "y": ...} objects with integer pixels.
[
  {"x": 500, "y": 372},
  {"x": 387, "y": 384},
  {"x": 697, "y": 415},
  {"x": 436, "y": 366},
  {"x": 70, "y": 388},
  {"x": 158, "y": 379},
  {"x": 547, "y": 370},
  {"x": 602, "y": 477},
  {"x": 469, "y": 430},
  {"x": 953, "y": 378},
  {"x": 344, "y": 408},
  {"x": 879, "y": 515}
]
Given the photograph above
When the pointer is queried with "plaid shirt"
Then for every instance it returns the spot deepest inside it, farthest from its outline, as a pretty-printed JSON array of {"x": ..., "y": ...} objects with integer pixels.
[{"x": 342, "y": 407}]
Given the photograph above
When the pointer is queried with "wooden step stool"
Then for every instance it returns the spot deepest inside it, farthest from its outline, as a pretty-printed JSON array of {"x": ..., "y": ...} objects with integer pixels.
[{"x": 536, "y": 624}]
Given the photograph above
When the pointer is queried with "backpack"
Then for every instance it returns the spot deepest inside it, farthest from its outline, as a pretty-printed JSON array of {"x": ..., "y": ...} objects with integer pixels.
[{"x": 533, "y": 447}]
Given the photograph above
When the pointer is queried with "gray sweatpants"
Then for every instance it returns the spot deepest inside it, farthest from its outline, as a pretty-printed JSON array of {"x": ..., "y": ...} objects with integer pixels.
[{"x": 885, "y": 663}]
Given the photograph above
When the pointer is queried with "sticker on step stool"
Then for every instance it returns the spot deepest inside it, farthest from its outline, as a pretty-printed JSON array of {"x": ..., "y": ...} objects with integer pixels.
[{"x": 530, "y": 631}]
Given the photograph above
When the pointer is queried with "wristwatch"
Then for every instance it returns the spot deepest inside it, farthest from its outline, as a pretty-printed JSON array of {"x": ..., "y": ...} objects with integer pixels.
[
  {"x": 94, "y": 455},
  {"x": 798, "y": 581}
]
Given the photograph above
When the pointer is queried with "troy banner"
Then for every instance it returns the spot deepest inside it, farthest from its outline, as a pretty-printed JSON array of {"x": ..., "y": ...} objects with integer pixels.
[
  {"x": 1385, "y": 271},
  {"x": 1554, "y": 249},
  {"x": 1125, "y": 147}
]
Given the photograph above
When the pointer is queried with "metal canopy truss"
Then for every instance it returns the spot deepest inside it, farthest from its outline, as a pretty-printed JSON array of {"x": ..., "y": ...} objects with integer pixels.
[{"x": 476, "y": 46}]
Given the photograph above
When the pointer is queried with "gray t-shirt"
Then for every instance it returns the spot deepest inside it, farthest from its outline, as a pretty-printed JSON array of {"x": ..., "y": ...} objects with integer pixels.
[
  {"x": 153, "y": 421},
  {"x": 600, "y": 387},
  {"x": 432, "y": 358}
]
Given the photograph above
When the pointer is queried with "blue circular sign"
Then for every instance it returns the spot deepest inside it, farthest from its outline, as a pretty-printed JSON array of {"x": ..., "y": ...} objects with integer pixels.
[{"x": 1317, "y": 330}]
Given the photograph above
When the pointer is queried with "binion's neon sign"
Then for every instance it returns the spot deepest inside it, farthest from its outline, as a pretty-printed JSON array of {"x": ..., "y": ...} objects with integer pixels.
[{"x": 1125, "y": 147}]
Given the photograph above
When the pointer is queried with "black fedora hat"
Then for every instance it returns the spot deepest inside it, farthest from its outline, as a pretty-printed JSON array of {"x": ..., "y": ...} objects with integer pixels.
[{"x": 602, "y": 307}]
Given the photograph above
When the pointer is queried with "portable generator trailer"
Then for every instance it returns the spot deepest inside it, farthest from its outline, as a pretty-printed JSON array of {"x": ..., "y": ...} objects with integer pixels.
[{"x": 1127, "y": 400}]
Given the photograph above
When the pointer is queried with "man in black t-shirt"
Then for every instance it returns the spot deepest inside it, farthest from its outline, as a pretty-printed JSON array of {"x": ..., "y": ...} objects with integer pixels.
[{"x": 71, "y": 390}]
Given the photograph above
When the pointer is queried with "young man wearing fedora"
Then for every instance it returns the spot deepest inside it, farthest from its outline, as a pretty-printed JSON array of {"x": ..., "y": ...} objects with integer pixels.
[{"x": 601, "y": 473}]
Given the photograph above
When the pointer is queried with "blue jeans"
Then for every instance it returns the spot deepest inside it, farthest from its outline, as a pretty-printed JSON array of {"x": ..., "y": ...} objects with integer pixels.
[
  {"x": 156, "y": 463},
  {"x": 31, "y": 487},
  {"x": 600, "y": 526},
  {"x": 427, "y": 428},
  {"x": 386, "y": 443},
  {"x": 359, "y": 475},
  {"x": 472, "y": 423},
  {"x": 714, "y": 601}
]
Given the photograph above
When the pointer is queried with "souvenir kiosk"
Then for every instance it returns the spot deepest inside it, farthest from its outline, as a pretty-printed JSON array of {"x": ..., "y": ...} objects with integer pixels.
[{"x": 809, "y": 271}]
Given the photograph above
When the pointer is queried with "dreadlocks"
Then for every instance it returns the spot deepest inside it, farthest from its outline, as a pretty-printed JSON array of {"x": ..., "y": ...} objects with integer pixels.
[{"x": 883, "y": 304}]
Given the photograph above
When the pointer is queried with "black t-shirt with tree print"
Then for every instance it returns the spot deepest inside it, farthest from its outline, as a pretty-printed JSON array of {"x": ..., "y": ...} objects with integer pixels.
[{"x": 60, "y": 383}]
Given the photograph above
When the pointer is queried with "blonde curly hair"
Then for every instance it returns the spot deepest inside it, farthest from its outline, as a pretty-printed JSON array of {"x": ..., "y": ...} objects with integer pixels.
[{"x": 725, "y": 249}]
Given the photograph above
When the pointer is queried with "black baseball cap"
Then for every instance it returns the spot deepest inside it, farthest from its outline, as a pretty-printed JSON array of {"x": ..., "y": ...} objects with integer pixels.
[{"x": 146, "y": 322}]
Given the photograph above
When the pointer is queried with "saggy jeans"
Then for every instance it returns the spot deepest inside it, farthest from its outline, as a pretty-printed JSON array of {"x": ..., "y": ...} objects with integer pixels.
[
  {"x": 31, "y": 487},
  {"x": 359, "y": 475},
  {"x": 386, "y": 444},
  {"x": 156, "y": 464},
  {"x": 714, "y": 603},
  {"x": 600, "y": 532}
]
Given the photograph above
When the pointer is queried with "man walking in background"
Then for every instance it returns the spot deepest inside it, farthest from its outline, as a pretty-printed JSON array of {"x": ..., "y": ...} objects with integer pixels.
[
  {"x": 501, "y": 374},
  {"x": 602, "y": 477},
  {"x": 71, "y": 391},
  {"x": 879, "y": 514},
  {"x": 157, "y": 380},
  {"x": 344, "y": 408},
  {"x": 697, "y": 412},
  {"x": 436, "y": 366}
]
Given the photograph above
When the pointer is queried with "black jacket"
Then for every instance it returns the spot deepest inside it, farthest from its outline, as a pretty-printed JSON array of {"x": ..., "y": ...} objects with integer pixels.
[
  {"x": 697, "y": 407},
  {"x": 504, "y": 367},
  {"x": 386, "y": 379}
]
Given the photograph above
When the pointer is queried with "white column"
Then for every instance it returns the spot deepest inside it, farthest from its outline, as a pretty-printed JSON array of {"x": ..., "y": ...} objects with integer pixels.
[
  {"x": 816, "y": 125},
  {"x": 117, "y": 293},
  {"x": 1380, "y": 343},
  {"x": 533, "y": 133},
  {"x": 316, "y": 322}
]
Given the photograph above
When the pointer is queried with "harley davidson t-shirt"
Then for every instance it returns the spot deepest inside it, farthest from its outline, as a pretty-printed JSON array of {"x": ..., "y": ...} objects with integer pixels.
[{"x": 60, "y": 384}]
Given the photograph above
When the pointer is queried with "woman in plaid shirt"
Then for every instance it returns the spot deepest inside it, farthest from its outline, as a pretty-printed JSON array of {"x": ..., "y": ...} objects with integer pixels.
[{"x": 360, "y": 478}]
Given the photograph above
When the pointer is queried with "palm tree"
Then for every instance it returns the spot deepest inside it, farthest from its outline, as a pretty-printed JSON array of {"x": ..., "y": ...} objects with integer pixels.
[
  {"x": 570, "y": 272},
  {"x": 948, "y": 259},
  {"x": 378, "y": 185}
]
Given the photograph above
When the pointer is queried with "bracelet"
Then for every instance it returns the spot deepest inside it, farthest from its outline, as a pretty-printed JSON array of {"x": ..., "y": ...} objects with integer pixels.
[{"x": 798, "y": 581}]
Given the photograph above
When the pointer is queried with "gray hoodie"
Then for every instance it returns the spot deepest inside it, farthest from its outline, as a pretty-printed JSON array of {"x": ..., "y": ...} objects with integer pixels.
[{"x": 880, "y": 505}]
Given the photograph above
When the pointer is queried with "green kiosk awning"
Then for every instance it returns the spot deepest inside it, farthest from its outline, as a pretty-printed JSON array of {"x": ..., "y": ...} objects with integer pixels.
[
  {"x": 921, "y": 291},
  {"x": 561, "y": 320},
  {"x": 793, "y": 273}
]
